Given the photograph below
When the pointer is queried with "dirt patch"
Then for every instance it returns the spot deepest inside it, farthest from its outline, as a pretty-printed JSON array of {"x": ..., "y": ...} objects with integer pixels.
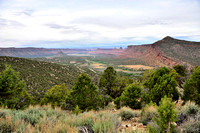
[
  {"x": 97, "y": 65},
  {"x": 136, "y": 66},
  {"x": 72, "y": 62}
]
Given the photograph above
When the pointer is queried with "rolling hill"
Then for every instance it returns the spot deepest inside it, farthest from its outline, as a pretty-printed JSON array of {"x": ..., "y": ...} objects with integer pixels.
[
  {"x": 165, "y": 52},
  {"x": 41, "y": 76}
]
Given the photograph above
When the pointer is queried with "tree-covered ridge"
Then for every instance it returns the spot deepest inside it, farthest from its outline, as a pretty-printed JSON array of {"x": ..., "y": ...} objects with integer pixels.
[
  {"x": 41, "y": 76},
  {"x": 181, "y": 50}
]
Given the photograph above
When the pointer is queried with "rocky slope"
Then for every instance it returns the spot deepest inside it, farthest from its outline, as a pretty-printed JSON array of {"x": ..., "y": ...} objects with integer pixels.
[{"x": 165, "y": 52}]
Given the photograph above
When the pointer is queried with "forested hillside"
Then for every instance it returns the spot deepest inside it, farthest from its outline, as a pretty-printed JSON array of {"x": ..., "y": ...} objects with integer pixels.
[{"x": 41, "y": 76}]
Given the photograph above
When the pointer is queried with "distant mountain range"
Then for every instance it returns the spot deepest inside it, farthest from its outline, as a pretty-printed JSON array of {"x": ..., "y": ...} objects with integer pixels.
[
  {"x": 165, "y": 52},
  {"x": 32, "y": 52}
]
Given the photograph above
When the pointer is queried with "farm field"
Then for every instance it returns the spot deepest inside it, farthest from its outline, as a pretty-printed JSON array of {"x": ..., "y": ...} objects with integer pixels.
[{"x": 98, "y": 63}]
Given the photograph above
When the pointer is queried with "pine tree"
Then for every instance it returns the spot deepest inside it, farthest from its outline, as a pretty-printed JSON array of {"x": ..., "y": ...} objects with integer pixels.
[
  {"x": 108, "y": 81},
  {"x": 56, "y": 96},
  {"x": 192, "y": 87},
  {"x": 85, "y": 94},
  {"x": 162, "y": 82},
  {"x": 130, "y": 97},
  {"x": 181, "y": 70},
  {"x": 167, "y": 114},
  {"x": 12, "y": 90}
]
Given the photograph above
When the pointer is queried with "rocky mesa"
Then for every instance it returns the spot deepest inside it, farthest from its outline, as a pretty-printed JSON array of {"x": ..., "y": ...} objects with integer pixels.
[{"x": 165, "y": 52}]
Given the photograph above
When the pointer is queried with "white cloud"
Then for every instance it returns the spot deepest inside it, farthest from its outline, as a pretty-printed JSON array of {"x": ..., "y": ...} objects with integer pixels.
[{"x": 105, "y": 21}]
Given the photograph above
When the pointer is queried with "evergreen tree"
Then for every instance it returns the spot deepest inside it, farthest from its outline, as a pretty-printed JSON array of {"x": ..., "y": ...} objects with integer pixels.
[
  {"x": 167, "y": 115},
  {"x": 192, "y": 87},
  {"x": 12, "y": 90},
  {"x": 162, "y": 82},
  {"x": 56, "y": 96},
  {"x": 130, "y": 97},
  {"x": 181, "y": 77},
  {"x": 120, "y": 84},
  {"x": 181, "y": 70},
  {"x": 24, "y": 100},
  {"x": 108, "y": 81},
  {"x": 85, "y": 94}
]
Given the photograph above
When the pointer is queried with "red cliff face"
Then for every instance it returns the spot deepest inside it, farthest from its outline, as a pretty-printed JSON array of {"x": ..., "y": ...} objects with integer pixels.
[
  {"x": 165, "y": 52},
  {"x": 155, "y": 57},
  {"x": 150, "y": 54}
]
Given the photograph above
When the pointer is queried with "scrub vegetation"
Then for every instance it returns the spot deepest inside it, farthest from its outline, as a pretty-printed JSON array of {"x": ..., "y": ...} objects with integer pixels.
[{"x": 105, "y": 102}]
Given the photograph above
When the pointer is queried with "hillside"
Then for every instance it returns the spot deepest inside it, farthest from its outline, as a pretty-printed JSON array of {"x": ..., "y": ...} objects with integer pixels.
[
  {"x": 41, "y": 76},
  {"x": 184, "y": 51},
  {"x": 165, "y": 52}
]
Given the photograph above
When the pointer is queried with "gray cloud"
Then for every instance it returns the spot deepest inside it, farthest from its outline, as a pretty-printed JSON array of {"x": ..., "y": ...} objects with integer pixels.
[
  {"x": 56, "y": 26},
  {"x": 70, "y": 29},
  {"x": 27, "y": 12},
  {"x": 107, "y": 21},
  {"x": 6, "y": 22},
  {"x": 120, "y": 22}
]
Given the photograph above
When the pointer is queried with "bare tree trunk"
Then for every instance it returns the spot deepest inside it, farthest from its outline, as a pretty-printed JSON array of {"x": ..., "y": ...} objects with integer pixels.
[{"x": 168, "y": 128}]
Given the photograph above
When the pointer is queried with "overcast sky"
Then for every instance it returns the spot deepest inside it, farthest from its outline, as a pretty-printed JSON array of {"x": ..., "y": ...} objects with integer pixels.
[{"x": 96, "y": 23}]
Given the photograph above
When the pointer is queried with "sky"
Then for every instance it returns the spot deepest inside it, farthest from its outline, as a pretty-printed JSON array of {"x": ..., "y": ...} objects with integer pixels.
[{"x": 96, "y": 23}]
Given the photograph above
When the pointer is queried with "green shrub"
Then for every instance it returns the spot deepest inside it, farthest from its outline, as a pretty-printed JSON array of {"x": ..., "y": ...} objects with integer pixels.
[
  {"x": 130, "y": 97},
  {"x": 191, "y": 127},
  {"x": 4, "y": 112},
  {"x": 53, "y": 113},
  {"x": 167, "y": 115},
  {"x": 97, "y": 122},
  {"x": 117, "y": 102},
  {"x": 145, "y": 98},
  {"x": 7, "y": 125},
  {"x": 153, "y": 128},
  {"x": 127, "y": 113},
  {"x": 110, "y": 106},
  {"x": 181, "y": 70},
  {"x": 85, "y": 94},
  {"x": 12, "y": 90},
  {"x": 182, "y": 117},
  {"x": 192, "y": 87},
  {"x": 32, "y": 115},
  {"x": 189, "y": 110},
  {"x": 160, "y": 83},
  {"x": 56, "y": 96},
  {"x": 86, "y": 122},
  {"x": 106, "y": 123},
  {"x": 77, "y": 110}
]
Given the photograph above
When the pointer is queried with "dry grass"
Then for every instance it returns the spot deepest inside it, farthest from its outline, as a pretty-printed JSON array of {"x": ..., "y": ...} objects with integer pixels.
[
  {"x": 57, "y": 121},
  {"x": 136, "y": 67},
  {"x": 98, "y": 65}
]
